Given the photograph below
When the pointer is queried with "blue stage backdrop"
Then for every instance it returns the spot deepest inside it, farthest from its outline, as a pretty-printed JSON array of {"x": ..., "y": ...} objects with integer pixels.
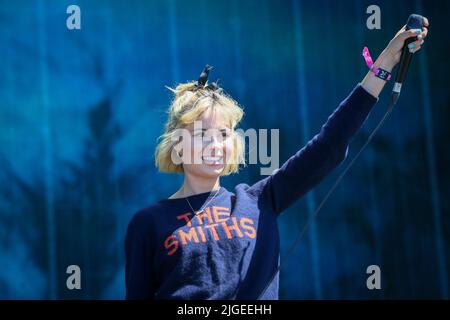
[{"x": 81, "y": 111}]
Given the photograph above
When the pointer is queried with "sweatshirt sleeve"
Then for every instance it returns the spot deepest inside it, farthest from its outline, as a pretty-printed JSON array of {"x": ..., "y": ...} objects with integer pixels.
[
  {"x": 325, "y": 151},
  {"x": 138, "y": 266}
]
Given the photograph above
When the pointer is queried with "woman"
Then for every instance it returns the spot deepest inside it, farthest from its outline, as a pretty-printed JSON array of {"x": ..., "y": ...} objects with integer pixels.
[{"x": 205, "y": 242}]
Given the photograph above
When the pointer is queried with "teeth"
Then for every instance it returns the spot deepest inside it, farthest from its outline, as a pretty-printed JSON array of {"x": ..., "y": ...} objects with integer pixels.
[{"x": 212, "y": 158}]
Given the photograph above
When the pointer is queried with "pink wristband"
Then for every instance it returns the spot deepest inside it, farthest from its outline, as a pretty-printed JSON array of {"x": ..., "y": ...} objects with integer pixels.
[{"x": 379, "y": 72}]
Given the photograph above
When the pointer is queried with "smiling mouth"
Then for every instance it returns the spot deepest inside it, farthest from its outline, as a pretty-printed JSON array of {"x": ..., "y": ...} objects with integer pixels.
[{"x": 212, "y": 160}]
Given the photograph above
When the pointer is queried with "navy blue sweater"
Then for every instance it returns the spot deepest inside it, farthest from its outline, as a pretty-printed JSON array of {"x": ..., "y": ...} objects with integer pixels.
[{"x": 231, "y": 250}]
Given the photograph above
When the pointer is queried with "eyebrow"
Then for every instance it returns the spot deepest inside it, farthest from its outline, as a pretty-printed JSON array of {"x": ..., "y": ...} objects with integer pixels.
[{"x": 203, "y": 129}]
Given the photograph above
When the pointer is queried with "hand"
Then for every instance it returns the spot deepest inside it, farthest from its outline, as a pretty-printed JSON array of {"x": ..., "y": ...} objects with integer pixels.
[{"x": 392, "y": 53}]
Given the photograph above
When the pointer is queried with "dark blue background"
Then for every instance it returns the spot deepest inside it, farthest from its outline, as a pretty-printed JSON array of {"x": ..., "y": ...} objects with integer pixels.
[{"x": 80, "y": 112}]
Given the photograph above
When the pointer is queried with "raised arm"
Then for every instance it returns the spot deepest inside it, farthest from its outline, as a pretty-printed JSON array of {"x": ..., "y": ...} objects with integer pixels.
[
  {"x": 306, "y": 168},
  {"x": 329, "y": 147}
]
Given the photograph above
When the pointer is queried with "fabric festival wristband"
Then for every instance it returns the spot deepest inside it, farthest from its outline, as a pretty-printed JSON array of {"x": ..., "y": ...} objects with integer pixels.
[{"x": 379, "y": 72}]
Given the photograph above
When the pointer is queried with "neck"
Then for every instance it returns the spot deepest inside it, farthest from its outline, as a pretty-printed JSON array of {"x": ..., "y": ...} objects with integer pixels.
[{"x": 197, "y": 185}]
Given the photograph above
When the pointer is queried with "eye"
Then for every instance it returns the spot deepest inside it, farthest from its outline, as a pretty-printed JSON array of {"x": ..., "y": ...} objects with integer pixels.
[
  {"x": 199, "y": 134},
  {"x": 225, "y": 134}
]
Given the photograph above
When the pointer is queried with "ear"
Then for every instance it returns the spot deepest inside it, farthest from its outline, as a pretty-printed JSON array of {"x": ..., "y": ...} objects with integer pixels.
[{"x": 178, "y": 149}]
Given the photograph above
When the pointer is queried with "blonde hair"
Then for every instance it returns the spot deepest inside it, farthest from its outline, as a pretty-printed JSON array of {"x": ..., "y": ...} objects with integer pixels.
[{"x": 189, "y": 103}]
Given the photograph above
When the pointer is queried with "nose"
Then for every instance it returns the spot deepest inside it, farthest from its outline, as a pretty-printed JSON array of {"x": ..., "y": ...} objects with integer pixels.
[{"x": 215, "y": 146}]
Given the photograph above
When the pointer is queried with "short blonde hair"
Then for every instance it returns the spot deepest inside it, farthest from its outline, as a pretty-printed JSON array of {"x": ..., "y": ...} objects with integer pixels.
[{"x": 189, "y": 103}]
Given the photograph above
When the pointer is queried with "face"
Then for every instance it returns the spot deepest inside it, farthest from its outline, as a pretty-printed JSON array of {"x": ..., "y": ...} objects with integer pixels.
[{"x": 209, "y": 147}]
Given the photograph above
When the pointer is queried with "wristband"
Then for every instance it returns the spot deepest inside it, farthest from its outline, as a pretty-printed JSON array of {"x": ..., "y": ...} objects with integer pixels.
[{"x": 379, "y": 72}]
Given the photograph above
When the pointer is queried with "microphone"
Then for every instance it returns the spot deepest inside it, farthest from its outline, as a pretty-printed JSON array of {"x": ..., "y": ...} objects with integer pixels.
[{"x": 415, "y": 21}]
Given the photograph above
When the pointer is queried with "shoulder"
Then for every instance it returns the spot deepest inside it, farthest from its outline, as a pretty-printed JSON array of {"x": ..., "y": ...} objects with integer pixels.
[
  {"x": 144, "y": 218},
  {"x": 141, "y": 227},
  {"x": 253, "y": 192},
  {"x": 256, "y": 188}
]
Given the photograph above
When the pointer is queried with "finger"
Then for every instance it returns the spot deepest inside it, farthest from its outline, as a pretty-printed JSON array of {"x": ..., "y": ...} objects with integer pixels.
[
  {"x": 423, "y": 34},
  {"x": 414, "y": 50},
  {"x": 414, "y": 46},
  {"x": 409, "y": 33},
  {"x": 425, "y": 22}
]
